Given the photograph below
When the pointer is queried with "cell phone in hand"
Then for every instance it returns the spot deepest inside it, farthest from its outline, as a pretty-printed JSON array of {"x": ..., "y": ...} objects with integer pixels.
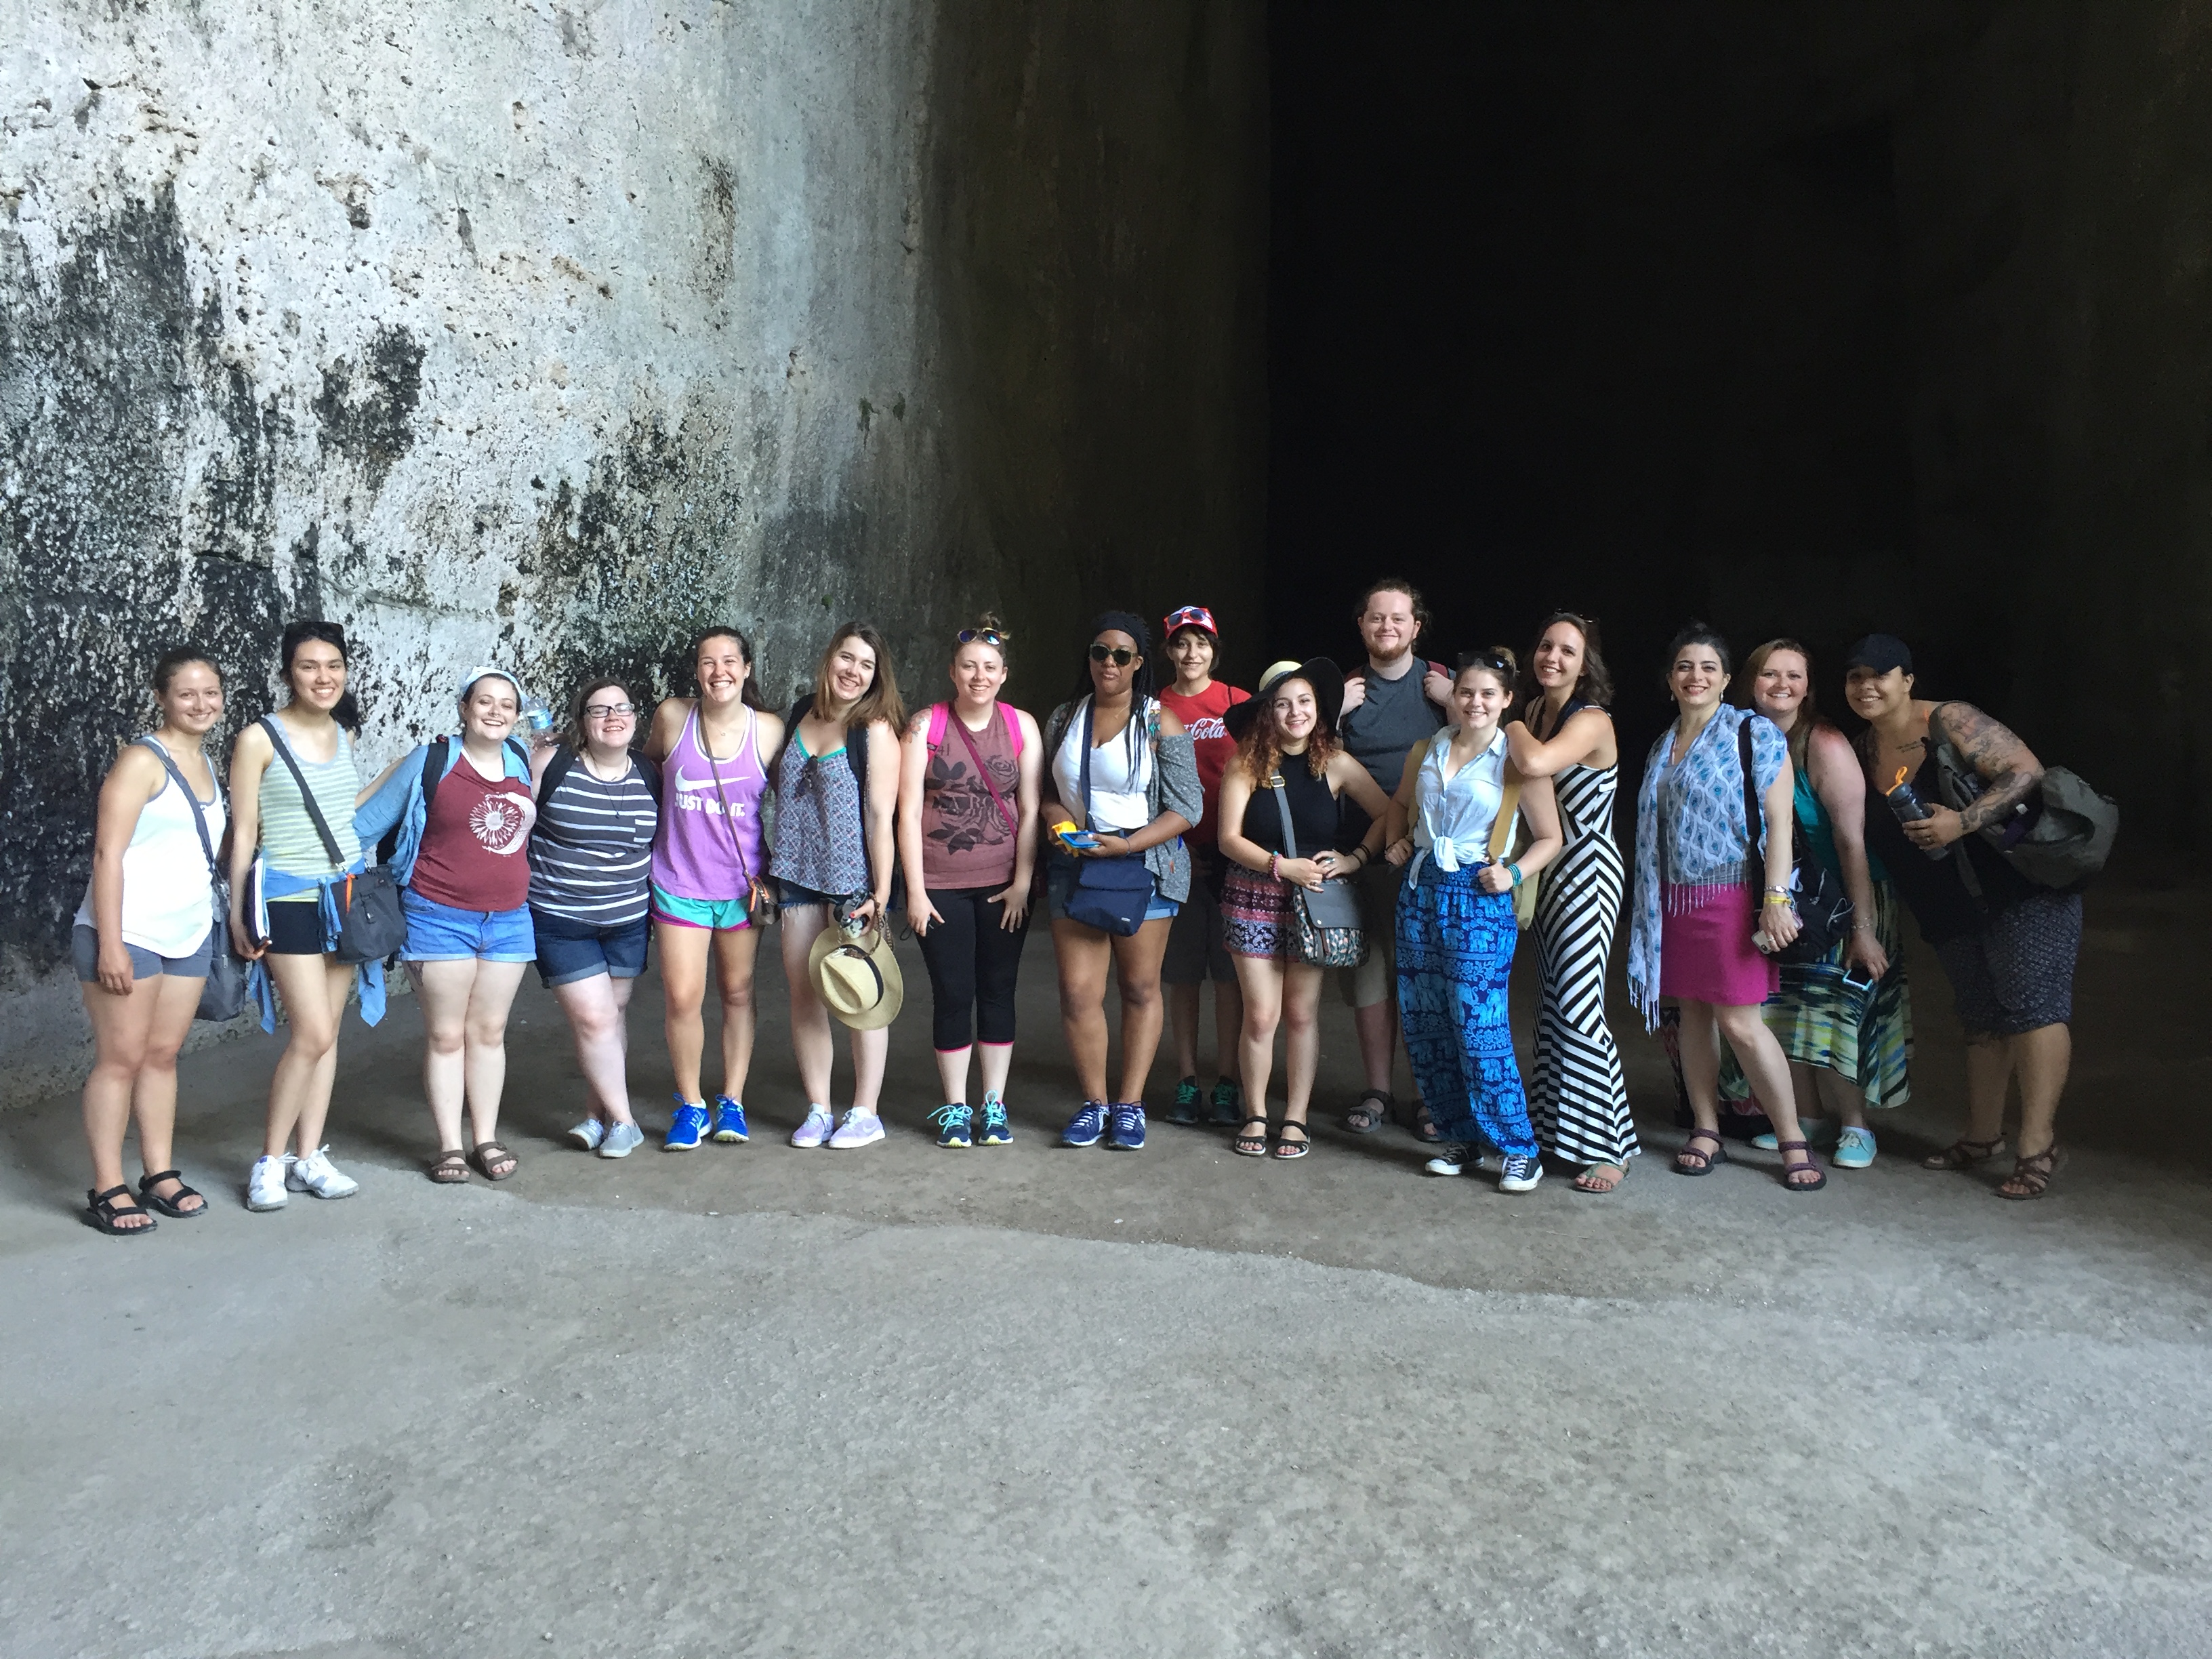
[{"x": 1082, "y": 838}]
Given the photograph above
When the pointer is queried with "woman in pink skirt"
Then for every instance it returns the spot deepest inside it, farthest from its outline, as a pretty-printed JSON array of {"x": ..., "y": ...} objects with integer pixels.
[{"x": 1699, "y": 935}]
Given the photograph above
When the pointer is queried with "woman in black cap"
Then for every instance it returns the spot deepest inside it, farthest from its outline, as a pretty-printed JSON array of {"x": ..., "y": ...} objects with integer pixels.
[
  {"x": 2006, "y": 945},
  {"x": 1289, "y": 774}
]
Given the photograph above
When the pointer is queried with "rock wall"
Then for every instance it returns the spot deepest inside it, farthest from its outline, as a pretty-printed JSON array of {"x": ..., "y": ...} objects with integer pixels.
[{"x": 543, "y": 334}]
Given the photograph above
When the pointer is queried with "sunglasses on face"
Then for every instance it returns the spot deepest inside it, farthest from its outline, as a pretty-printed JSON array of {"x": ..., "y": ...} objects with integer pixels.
[
  {"x": 990, "y": 637},
  {"x": 1120, "y": 655}
]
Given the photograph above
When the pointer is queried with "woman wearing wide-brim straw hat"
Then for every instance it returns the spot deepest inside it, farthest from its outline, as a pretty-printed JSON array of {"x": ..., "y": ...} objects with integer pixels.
[
  {"x": 1288, "y": 761},
  {"x": 856, "y": 975}
]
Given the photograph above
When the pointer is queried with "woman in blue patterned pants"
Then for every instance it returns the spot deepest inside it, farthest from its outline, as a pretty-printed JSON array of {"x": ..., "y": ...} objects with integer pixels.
[{"x": 1456, "y": 929}]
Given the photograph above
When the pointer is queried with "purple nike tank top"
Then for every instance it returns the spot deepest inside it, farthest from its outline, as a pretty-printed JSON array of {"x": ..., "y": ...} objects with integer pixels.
[{"x": 699, "y": 853}]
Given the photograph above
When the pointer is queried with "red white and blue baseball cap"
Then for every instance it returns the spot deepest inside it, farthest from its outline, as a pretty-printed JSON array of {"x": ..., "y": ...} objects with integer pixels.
[{"x": 1191, "y": 616}]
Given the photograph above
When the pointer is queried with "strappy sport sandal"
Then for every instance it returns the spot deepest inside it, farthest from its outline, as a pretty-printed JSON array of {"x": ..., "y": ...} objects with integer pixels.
[
  {"x": 1248, "y": 1144},
  {"x": 101, "y": 1210},
  {"x": 488, "y": 1152},
  {"x": 1423, "y": 1127},
  {"x": 2030, "y": 1177},
  {"x": 1705, "y": 1160},
  {"x": 1297, "y": 1148},
  {"x": 1964, "y": 1154},
  {"x": 171, "y": 1205},
  {"x": 1786, "y": 1147},
  {"x": 450, "y": 1169},
  {"x": 1364, "y": 1119}
]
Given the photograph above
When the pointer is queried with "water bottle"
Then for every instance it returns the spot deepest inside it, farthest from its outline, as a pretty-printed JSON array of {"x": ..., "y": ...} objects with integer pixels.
[
  {"x": 1911, "y": 809},
  {"x": 536, "y": 719}
]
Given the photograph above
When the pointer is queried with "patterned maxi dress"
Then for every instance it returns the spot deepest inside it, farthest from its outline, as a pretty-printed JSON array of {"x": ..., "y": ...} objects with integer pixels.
[{"x": 1579, "y": 1097}]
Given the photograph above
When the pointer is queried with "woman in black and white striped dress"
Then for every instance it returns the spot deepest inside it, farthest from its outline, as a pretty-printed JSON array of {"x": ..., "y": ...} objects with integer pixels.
[
  {"x": 1578, "y": 1098},
  {"x": 590, "y": 854}
]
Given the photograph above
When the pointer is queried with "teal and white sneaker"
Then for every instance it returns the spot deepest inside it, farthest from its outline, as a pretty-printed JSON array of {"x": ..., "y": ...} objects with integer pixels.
[
  {"x": 997, "y": 1132},
  {"x": 1854, "y": 1150},
  {"x": 952, "y": 1119},
  {"x": 1819, "y": 1132}
]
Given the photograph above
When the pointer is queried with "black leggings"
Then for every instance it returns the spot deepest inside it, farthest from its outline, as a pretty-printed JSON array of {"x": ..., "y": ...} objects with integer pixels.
[{"x": 973, "y": 964}]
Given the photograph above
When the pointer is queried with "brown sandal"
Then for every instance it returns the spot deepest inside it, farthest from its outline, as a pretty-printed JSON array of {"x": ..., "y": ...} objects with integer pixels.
[
  {"x": 450, "y": 1169},
  {"x": 2030, "y": 1177},
  {"x": 489, "y": 1152},
  {"x": 1964, "y": 1154},
  {"x": 1705, "y": 1160},
  {"x": 1811, "y": 1164}
]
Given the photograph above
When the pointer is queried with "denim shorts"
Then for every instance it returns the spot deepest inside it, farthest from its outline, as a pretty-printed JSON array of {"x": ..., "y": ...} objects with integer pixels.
[
  {"x": 438, "y": 932},
  {"x": 84, "y": 954},
  {"x": 568, "y": 950},
  {"x": 1060, "y": 883}
]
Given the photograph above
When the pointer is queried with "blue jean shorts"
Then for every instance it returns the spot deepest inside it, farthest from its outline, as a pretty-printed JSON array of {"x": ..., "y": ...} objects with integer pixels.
[
  {"x": 438, "y": 932},
  {"x": 1060, "y": 883},
  {"x": 568, "y": 950}
]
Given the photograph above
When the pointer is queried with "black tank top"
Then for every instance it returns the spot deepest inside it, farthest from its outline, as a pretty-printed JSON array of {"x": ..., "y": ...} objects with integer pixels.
[{"x": 1315, "y": 814}]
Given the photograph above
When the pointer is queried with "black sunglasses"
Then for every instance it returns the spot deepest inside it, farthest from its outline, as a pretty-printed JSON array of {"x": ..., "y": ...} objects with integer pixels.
[
  {"x": 1120, "y": 655},
  {"x": 988, "y": 635}
]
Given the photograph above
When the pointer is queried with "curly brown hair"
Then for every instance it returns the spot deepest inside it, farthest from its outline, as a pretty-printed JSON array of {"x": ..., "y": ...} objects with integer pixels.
[{"x": 1261, "y": 746}]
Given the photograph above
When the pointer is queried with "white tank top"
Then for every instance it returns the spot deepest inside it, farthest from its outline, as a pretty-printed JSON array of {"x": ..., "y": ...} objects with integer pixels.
[
  {"x": 166, "y": 895},
  {"x": 1118, "y": 803}
]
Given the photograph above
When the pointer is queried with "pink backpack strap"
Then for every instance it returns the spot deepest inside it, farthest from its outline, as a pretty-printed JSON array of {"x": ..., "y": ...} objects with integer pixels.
[
  {"x": 1013, "y": 729},
  {"x": 938, "y": 711}
]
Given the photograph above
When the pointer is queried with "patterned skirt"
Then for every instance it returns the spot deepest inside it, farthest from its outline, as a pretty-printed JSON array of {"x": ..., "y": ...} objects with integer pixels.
[
  {"x": 1819, "y": 1022},
  {"x": 1455, "y": 958},
  {"x": 1256, "y": 916}
]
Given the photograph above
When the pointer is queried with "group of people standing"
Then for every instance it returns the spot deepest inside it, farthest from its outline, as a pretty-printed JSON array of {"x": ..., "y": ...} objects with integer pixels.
[{"x": 1398, "y": 825}]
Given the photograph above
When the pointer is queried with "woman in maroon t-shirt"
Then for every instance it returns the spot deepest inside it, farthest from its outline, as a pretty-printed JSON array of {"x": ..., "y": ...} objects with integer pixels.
[{"x": 1195, "y": 952}]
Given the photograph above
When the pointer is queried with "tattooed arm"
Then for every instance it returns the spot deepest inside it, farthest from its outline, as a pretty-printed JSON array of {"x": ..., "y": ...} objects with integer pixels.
[{"x": 2006, "y": 764}]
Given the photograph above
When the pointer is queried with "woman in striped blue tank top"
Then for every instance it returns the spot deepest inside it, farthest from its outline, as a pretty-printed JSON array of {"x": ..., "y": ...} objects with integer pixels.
[{"x": 271, "y": 821}]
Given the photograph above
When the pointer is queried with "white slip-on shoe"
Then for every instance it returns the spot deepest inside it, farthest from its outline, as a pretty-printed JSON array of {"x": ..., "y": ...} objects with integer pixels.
[
  {"x": 264, "y": 1188},
  {"x": 589, "y": 1134},
  {"x": 817, "y": 1129},
  {"x": 859, "y": 1128},
  {"x": 316, "y": 1174},
  {"x": 622, "y": 1141}
]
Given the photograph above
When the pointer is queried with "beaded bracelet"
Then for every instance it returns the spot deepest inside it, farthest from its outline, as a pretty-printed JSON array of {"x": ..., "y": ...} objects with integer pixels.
[{"x": 1274, "y": 861}]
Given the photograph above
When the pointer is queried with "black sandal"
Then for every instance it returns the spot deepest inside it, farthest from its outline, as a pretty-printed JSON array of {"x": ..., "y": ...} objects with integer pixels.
[
  {"x": 1297, "y": 1148},
  {"x": 1705, "y": 1160},
  {"x": 101, "y": 1210},
  {"x": 171, "y": 1206},
  {"x": 1363, "y": 1120},
  {"x": 489, "y": 1152},
  {"x": 1786, "y": 1147},
  {"x": 1248, "y": 1144},
  {"x": 1423, "y": 1127}
]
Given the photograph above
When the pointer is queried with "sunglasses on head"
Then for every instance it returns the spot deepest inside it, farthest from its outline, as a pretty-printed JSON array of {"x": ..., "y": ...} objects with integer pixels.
[
  {"x": 988, "y": 635},
  {"x": 1120, "y": 655}
]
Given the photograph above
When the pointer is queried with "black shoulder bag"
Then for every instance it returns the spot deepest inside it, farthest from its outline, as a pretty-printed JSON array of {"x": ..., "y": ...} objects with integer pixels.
[
  {"x": 371, "y": 924},
  {"x": 1824, "y": 911},
  {"x": 224, "y": 993},
  {"x": 1325, "y": 926}
]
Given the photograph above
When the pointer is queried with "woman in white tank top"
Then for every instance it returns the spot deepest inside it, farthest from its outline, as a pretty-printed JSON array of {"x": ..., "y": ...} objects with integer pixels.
[{"x": 141, "y": 943}]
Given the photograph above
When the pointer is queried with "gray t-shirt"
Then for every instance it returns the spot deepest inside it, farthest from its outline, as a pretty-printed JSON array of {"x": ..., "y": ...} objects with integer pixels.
[{"x": 1394, "y": 717}]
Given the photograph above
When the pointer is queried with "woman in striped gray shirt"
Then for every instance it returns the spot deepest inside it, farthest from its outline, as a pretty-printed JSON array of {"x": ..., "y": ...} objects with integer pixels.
[{"x": 591, "y": 853}]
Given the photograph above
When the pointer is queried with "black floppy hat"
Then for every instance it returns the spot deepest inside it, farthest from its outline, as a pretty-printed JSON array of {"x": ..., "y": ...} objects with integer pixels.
[{"x": 1324, "y": 676}]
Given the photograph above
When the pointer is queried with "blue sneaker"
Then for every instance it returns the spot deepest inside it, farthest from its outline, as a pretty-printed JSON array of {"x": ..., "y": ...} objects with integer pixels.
[
  {"x": 952, "y": 1119},
  {"x": 687, "y": 1129},
  {"x": 1128, "y": 1134},
  {"x": 997, "y": 1132},
  {"x": 1087, "y": 1126},
  {"x": 729, "y": 1120}
]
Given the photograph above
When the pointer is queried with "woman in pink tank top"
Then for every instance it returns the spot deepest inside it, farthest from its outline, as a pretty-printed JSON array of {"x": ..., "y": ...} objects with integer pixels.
[{"x": 707, "y": 856}]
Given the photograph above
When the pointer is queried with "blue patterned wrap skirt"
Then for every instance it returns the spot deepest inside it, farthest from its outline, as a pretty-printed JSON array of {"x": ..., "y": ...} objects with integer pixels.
[{"x": 1455, "y": 956}]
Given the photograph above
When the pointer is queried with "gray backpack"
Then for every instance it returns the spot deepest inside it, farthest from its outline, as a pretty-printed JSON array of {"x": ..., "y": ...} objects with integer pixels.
[{"x": 2062, "y": 835}]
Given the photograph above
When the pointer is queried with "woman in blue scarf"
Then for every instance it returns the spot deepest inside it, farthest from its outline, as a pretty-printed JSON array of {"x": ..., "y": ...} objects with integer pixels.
[{"x": 1695, "y": 937}]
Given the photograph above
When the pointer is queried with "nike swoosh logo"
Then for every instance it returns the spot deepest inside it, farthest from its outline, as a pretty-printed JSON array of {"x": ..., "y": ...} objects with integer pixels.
[{"x": 706, "y": 786}]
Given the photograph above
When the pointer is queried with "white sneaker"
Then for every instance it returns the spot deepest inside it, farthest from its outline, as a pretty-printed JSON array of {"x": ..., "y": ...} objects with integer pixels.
[
  {"x": 622, "y": 1141},
  {"x": 316, "y": 1174},
  {"x": 859, "y": 1128},
  {"x": 1451, "y": 1160},
  {"x": 1521, "y": 1174},
  {"x": 264, "y": 1188},
  {"x": 589, "y": 1134},
  {"x": 819, "y": 1128}
]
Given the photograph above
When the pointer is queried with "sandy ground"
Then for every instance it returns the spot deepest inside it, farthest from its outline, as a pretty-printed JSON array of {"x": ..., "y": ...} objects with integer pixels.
[{"x": 1029, "y": 1400}]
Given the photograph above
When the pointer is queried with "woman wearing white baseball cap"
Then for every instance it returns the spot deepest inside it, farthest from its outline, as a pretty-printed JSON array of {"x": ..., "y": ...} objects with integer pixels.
[{"x": 462, "y": 809}]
